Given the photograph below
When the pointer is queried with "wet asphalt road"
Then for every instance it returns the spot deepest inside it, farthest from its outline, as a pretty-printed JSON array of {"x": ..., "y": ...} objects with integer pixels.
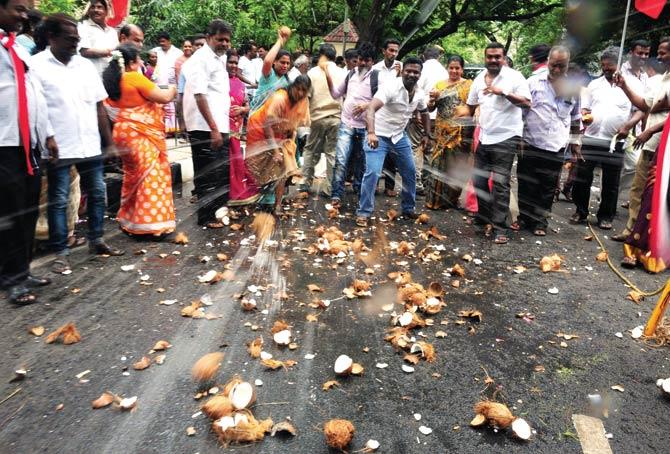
[{"x": 119, "y": 319}]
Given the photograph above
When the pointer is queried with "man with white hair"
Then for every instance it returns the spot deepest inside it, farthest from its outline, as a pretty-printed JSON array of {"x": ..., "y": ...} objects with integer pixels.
[{"x": 300, "y": 66}]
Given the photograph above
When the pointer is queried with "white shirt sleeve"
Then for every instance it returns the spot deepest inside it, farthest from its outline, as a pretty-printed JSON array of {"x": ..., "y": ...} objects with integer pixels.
[
  {"x": 521, "y": 88},
  {"x": 586, "y": 96},
  {"x": 382, "y": 93},
  {"x": 472, "y": 95},
  {"x": 197, "y": 77},
  {"x": 84, "y": 36},
  {"x": 421, "y": 105}
]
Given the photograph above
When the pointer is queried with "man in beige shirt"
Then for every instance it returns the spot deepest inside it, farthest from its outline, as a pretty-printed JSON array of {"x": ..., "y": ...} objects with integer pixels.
[{"x": 325, "y": 115}]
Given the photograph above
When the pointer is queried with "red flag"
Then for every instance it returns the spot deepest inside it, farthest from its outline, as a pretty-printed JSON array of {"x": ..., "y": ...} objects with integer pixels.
[
  {"x": 121, "y": 9},
  {"x": 651, "y": 8}
]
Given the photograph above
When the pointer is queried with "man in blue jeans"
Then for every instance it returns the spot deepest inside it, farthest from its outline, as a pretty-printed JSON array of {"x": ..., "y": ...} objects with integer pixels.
[
  {"x": 359, "y": 87},
  {"x": 387, "y": 116},
  {"x": 74, "y": 95}
]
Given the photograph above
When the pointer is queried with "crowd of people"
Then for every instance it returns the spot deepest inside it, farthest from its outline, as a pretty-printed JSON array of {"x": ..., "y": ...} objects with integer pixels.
[{"x": 258, "y": 118}]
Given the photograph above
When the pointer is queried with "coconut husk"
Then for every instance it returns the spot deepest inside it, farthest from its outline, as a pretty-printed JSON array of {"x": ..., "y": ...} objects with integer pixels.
[
  {"x": 263, "y": 225},
  {"x": 102, "y": 401},
  {"x": 361, "y": 286},
  {"x": 398, "y": 337},
  {"x": 427, "y": 351},
  {"x": 217, "y": 407},
  {"x": 550, "y": 263},
  {"x": 69, "y": 333},
  {"x": 497, "y": 414},
  {"x": 400, "y": 277},
  {"x": 181, "y": 238},
  {"x": 338, "y": 433},
  {"x": 254, "y": 347},
  {"x": 207, "y": 366},
  {"x": 245, "y": 431},
  {"x": 417, "y": 299},
  {"x": 404, "y": 248}
]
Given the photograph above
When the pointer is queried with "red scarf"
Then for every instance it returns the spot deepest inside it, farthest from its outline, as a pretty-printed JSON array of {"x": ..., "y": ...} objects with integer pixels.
[{"x": 20, "y": 74}]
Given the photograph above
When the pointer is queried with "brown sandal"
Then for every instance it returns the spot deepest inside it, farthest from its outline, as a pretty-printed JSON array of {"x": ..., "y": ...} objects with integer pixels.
[
  {"x": 488, "y": 230},
  {"x": 215, "y": 225},
  {"x": 501, "y": 239},
  {"x": 540, "y": 232},
  {"x": 629, "y": 262}
]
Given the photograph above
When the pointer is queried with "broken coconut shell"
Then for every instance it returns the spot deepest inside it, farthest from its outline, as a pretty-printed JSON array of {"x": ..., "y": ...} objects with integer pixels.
[
  {"x": 242, "y": 395},
  {"x": 497, "y": 414},
  {"x": 338, "y": 433},
  {"x": 217, "y": 407},
  {"x": 343, "y": 365},
  {"x": 521, "y": 429}
]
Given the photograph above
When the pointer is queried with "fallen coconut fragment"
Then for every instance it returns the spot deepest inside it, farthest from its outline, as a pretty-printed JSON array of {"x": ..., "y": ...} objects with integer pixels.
[
  {"x": 478, "y": 420},
  {"x": 521, "y": 429},
  {"x": 372, "y": 445},
  {"x": 284, "y": 427},
  {"x": 206, "y": 367},
  {"x": 160, "y": 359},
  {"x": 241, "y": 428},
  {"x": 217, "y": 407},
  {"x": 142, "y": 363},
  {"x": 357, "y": 369},
  {"x": 664, "y": 384},
  {"x": 255, "y": 347},
  {"x": 242, "y": 395},
  {"x": 181, "y": 238},
  {"x": 161, "y": 345},
  {"x": 128, "y": 403},
  {"x": 190, "y": 431},
  {"x": 497, "y": 414},
  {"x": 602, "y": 256},
  {"x": 425, "y": 430},
  {"x": 104, "y": 400},
  {"x": 36, "y": 331},
  {"x": 407, "y": 369},
  {"x": 550, "y": 263},
  {"x": 69, "y": 333},
  {"x": 282, "y": 337},
  {"x": 343, "y": 365},
  {"x": 338, "y": 433},
  {"x": 330, "y": 384}
]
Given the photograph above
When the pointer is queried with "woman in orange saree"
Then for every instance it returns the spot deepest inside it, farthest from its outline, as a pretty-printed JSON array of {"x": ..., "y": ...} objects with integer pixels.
[
  {"x": 271, "y": 147},
  {"x": 147, "y": 207}
]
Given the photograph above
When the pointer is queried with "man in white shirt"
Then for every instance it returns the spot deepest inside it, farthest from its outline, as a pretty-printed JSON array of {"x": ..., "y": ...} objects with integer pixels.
[
  {"x": 554, "y": 114},
  {"x": 500, "y": 92},
  {"x": 24, "y": 130},
  {"x": 246, "y": 68},
  {"x": 74, "y": 95},
  {"x": 607, "y": 110},
  {"x": 387, "y": 116},
  {"x": 324, "y": 112},
  {"x": 389, "y": 70},
  {"x": 433, "y": 72},
  {"x": 206, "y": 109},
  {"x": 97, "y": 40},
  {"x": 300, "y": 67},
  {"x": 257, "y": 63},
  {"x": 637, "y": 60},
  {"x": 167, "y": 56},
  {"x": 654, "y": 102}
]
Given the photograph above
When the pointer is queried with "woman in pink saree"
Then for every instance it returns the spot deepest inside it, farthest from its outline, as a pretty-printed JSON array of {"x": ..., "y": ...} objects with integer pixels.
[{"x": 243, "y": 190}]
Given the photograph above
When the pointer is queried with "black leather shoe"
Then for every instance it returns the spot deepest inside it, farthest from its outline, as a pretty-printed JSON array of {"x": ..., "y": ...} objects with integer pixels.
[
  {"x": 36, "y": 281},
  {"x": 103, "y": 248}
]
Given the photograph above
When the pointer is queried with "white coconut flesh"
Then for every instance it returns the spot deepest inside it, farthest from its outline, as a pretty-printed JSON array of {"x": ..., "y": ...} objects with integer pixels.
[
  {"x": 283, "y": 337},
  {"x": 225, "y": 423},
  {"x": 242, "y": 395},
  {"x": 405, "y": 319},
  {"x": 521, "y": 429},
  {"x": 372, "y": 445},
  {"x": 343, "y": 365},
  {"x": 664, "y": 384},
  {"x": 241, "y": 417}
]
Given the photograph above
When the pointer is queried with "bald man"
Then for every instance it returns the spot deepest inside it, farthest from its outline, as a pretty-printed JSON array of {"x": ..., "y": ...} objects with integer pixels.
[{"x": 131, "y": 34}]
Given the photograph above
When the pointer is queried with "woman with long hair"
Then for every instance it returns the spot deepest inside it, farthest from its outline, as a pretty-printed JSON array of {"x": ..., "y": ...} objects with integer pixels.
[
  {"x": 271, "y": 134},
  {"x": 147, "y": 207},
  {"x": 243, "y": 190},
  {"x": 448, "y": 164}
]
